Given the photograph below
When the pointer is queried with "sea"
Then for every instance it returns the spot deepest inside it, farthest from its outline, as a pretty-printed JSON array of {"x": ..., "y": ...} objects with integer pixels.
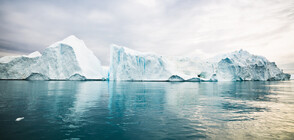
[{"x": 101, "y": 110}]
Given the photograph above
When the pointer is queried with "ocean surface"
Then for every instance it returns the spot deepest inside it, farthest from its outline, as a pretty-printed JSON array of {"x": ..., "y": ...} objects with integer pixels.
[{"x": 146, "y": 110}]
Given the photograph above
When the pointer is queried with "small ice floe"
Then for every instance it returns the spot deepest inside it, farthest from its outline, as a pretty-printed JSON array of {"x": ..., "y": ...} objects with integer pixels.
[{"x": 19, "y": 119}]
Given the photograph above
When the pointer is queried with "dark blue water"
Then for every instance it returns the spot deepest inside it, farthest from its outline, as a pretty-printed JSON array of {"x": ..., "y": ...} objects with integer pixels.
[{"x": 146, "y": 110}]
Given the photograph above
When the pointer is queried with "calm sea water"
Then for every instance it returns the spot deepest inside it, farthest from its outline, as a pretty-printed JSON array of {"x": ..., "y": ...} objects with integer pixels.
[{"x": 146, "y": 110}]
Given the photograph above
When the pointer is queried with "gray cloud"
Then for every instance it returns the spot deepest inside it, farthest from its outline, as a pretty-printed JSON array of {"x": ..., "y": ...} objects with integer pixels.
[{"x": 168, "y": 27}]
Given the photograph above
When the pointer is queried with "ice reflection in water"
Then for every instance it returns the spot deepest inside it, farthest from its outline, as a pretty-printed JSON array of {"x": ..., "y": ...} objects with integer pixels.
[{"x": 146, "y": 110}]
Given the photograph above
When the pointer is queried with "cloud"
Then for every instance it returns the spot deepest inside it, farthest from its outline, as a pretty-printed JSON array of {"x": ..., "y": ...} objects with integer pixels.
[{"x": 168, "y": 27}]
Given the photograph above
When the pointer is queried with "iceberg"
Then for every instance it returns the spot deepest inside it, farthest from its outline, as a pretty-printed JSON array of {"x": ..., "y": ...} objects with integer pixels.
[
  {"x": 243, "y": 66},
  {"x": 127, "y": 64},
  {"x": 68, "y": 59},
  {"x": 130, "y": 65}
]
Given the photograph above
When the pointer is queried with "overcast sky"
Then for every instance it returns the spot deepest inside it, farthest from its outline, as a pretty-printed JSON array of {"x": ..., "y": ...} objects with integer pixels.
[{"x": 168, "y": 27}]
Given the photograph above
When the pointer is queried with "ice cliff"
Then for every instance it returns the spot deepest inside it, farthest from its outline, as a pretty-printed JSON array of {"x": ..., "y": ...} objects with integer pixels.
[
  {"x": 127, "y": 64},
  {"x": 68, "y": 59}
]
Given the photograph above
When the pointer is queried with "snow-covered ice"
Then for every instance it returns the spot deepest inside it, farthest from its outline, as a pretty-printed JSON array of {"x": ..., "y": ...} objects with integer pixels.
[{"x": 68, "y": 59}]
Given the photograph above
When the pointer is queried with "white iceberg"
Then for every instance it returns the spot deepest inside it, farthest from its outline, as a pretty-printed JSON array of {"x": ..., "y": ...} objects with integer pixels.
[
  {"x": 127, "y": 64},
  {"x": 68, "y": 59},
  {"x": 241, "y": 65}
]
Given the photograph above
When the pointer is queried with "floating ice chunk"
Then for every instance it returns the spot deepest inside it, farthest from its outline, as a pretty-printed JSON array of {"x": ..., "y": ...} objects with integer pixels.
[
  {"x": 19, "y": 119},
  {"x": 175, "y": 78},
  {"x": 77, "y": 77},
  {"x": 37, "y": 77}
]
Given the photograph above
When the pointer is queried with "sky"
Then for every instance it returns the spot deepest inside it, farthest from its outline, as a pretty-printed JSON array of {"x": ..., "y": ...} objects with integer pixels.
[{"x": 202, "y": 28}]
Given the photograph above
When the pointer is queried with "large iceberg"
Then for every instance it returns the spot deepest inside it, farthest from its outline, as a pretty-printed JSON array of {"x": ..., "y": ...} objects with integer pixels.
[
  {"x": 127, "y": 64},
  {"x": 68, "y": 59},
  {"x": 241, "y": 65},
  {"x": 131, "y": 65}
]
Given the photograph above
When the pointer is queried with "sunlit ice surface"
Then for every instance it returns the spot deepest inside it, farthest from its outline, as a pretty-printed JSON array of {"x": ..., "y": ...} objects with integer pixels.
[{"x": 146, "y": 110}]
